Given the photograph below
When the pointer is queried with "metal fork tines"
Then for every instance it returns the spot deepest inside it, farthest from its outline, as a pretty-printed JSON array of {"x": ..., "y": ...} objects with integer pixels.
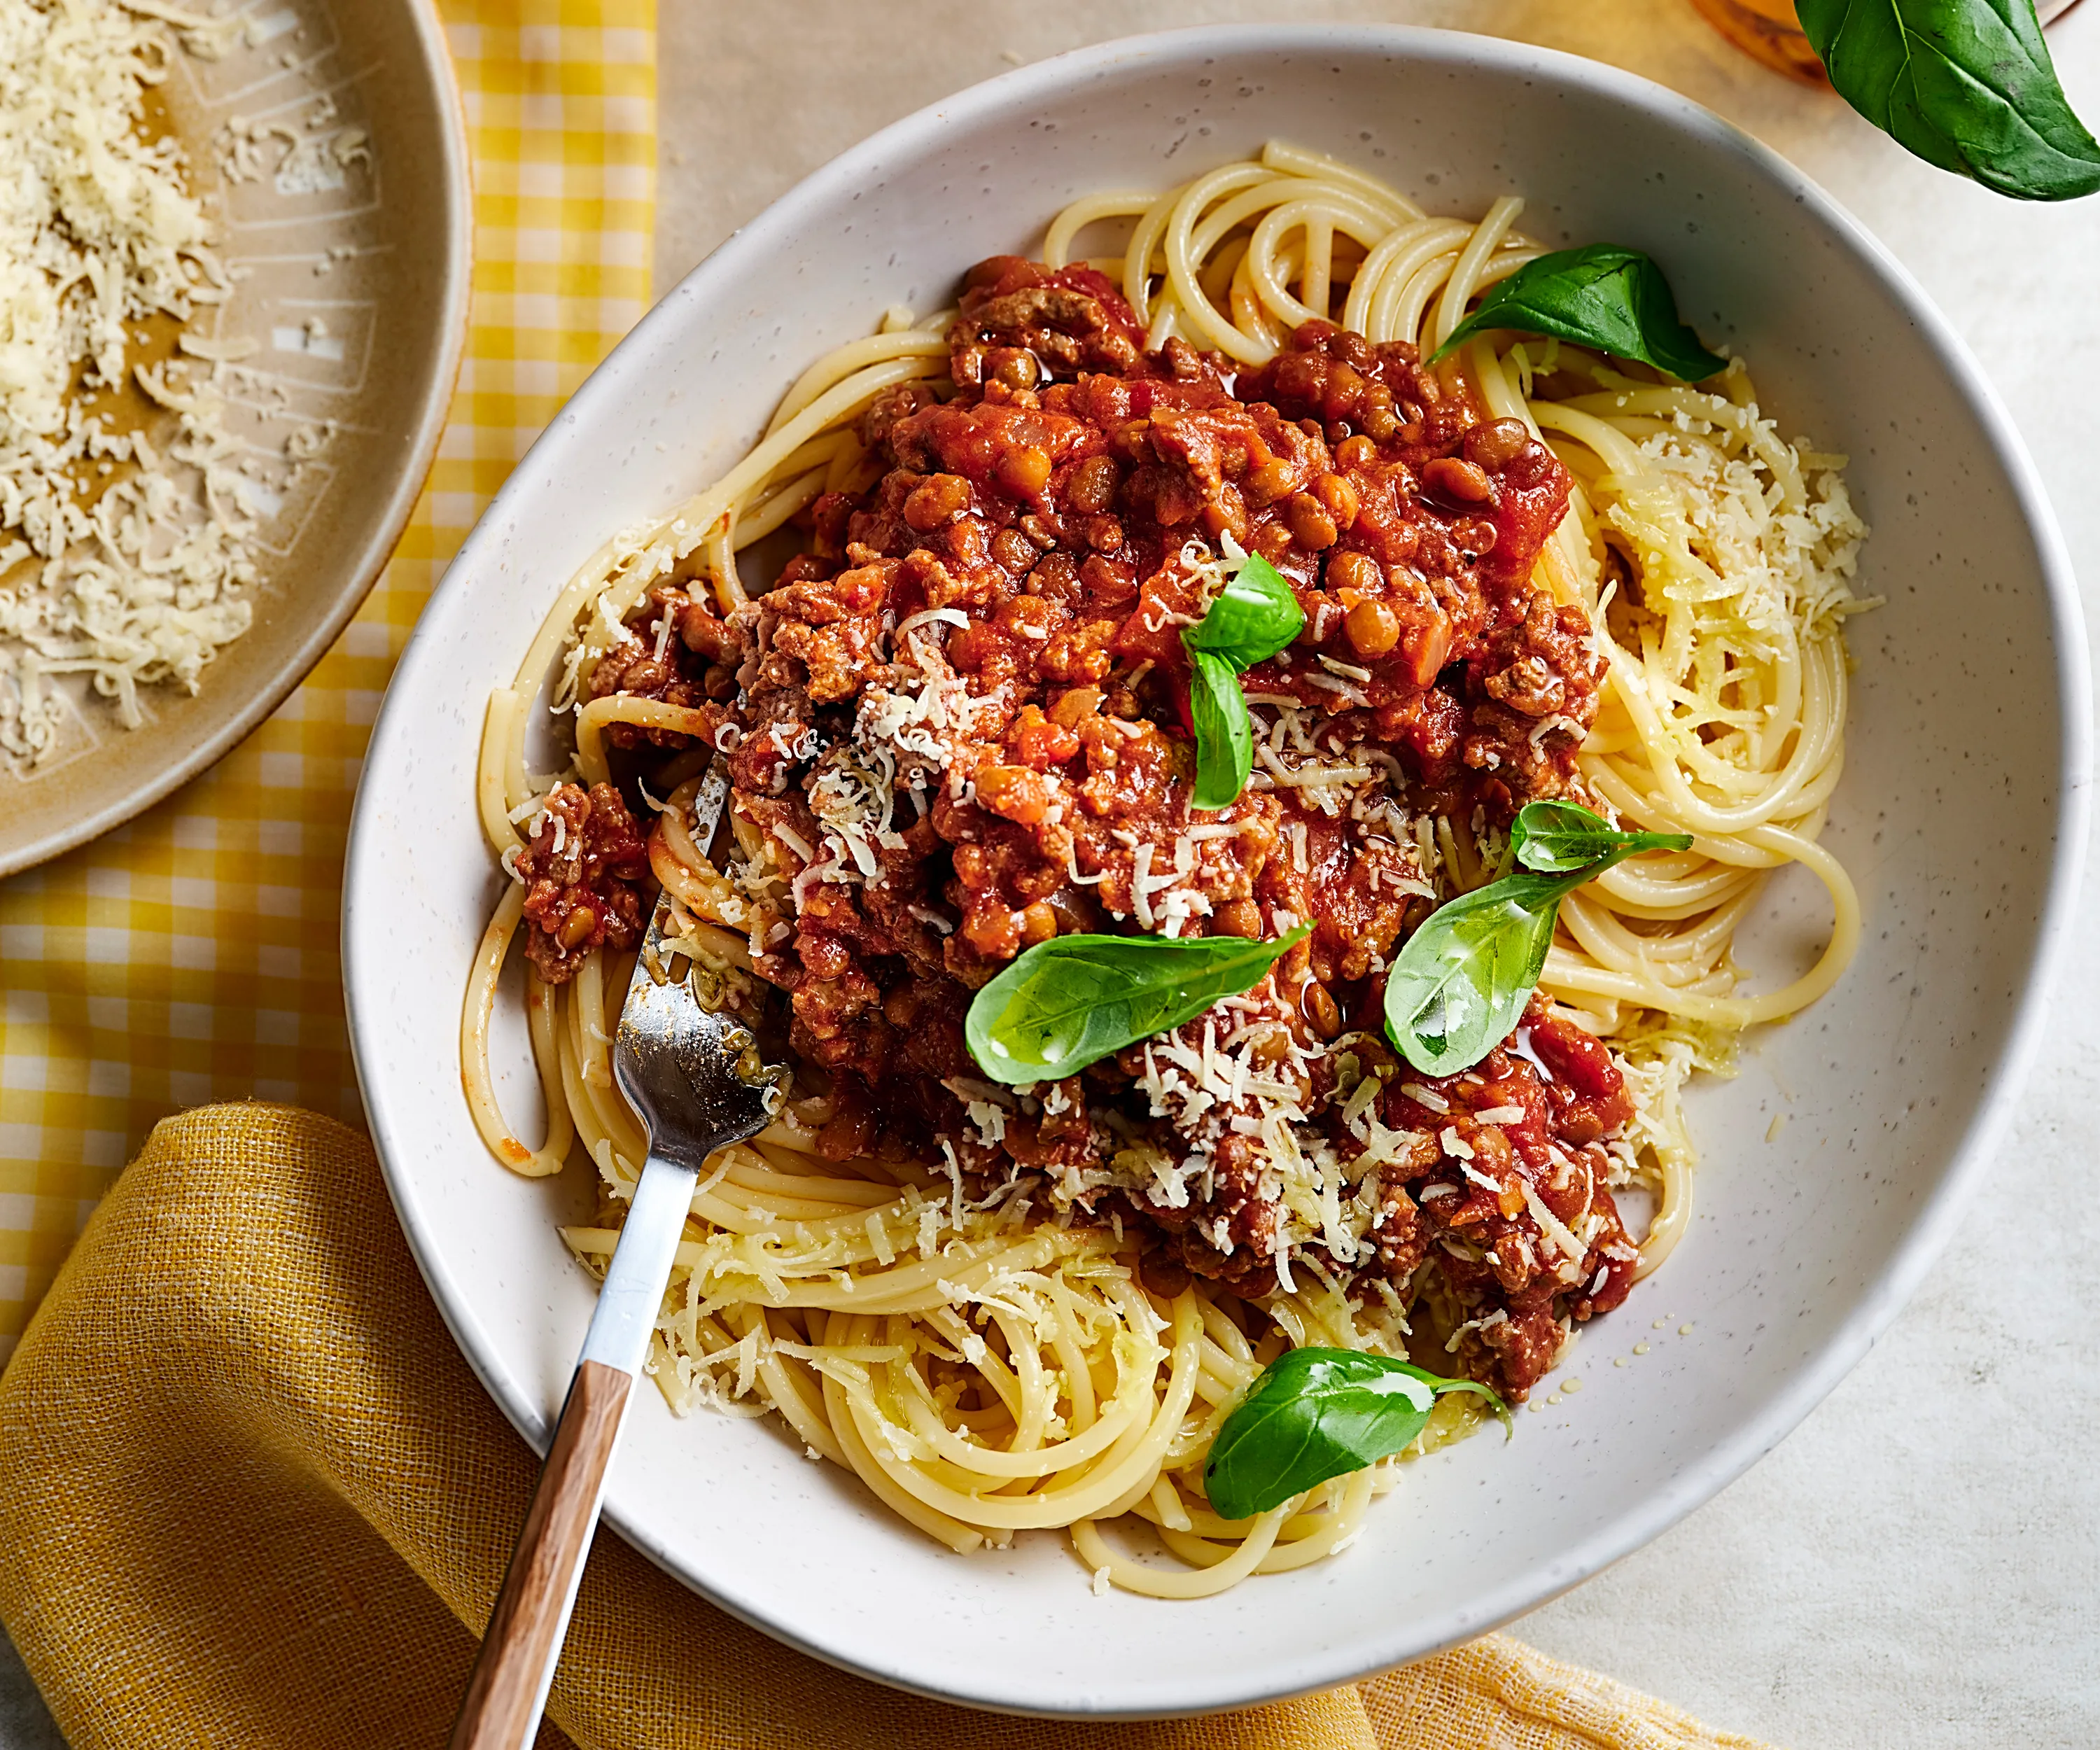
[{"x": 690, "y": 1069}]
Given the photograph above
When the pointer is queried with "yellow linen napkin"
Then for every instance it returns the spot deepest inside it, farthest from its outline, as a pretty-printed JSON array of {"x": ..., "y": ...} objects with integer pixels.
[{"x": 250, "y": 1495}]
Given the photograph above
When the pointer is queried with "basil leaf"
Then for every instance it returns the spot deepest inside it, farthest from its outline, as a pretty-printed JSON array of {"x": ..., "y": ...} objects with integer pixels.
[
  {"x": 1316, "y": 1413},
  {"x": 1603, "y": 296},
  {"x": 1253, "y": 616},
  {"x": 1557, "y": 837},
  {"x": 1462, "y": 981},
  {"x": 1224, "y": 734},
  {"x": 1067, "y": 1003},
  {"x": 1460, "y": 985},
  {"x": 1967, "y": 85}
]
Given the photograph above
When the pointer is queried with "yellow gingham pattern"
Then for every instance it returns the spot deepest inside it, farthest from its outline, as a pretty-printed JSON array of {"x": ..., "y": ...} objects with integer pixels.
[{"x": 192, "y": 955}]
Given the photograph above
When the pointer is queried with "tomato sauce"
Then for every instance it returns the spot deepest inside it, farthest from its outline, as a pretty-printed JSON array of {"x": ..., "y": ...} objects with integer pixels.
[{"x": 960, "y": 720}]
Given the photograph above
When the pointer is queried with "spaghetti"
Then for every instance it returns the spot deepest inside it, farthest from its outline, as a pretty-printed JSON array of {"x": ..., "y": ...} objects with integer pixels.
[{"x": 952, "y": 722}]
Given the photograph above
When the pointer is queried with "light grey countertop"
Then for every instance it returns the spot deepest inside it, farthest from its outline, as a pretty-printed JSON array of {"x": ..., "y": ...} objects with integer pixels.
[
  {"x": 1919, "y": 1564},
  {"x": 24, "y": 1722}
]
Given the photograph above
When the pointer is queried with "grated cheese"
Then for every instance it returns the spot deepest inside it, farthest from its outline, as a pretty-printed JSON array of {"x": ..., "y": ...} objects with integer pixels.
[
  {"x": 302, "y": 156},
  {"x": 1550, "y": 1225},
  {"x": 135, "y": 577}
]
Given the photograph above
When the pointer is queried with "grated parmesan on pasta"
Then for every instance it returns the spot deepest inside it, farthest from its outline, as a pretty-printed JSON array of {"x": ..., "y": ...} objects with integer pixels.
[{"x": 124, "y": 554}]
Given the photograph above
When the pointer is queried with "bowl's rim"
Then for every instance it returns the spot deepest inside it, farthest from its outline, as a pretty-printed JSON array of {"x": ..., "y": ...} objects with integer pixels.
[
  {"x": 455, "y": 171},
  {"x": 1934, "y": 1220}
]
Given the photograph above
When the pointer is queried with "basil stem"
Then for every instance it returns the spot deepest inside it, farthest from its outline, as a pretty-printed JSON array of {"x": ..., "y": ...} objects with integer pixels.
[
  {"x": 1557, "y": 837},
  {"x": 1316, "y": 1413},
  {"x": 1460, "y": 985},
  {"x": 1255, "y": 616},
  {"x": 1603, "y": 296},
  {"x": 1069, "y": 1003},
  {"x": 1967, "y": 85}
]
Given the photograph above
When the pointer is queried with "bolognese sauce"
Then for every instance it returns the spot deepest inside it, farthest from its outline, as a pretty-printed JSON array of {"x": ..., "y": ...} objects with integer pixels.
[{"x": 957, "y": 723}]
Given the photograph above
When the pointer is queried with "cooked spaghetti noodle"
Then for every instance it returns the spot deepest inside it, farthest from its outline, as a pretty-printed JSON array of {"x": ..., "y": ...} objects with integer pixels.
[{"x": 992, "y": 1327}]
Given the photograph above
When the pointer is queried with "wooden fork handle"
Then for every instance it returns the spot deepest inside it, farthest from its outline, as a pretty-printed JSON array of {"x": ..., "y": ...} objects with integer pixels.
[{"x": 508, "y": 1684}]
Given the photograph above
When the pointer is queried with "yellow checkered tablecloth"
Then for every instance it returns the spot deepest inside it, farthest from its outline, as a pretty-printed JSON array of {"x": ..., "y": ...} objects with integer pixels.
[{"x": 192, "y": 955}]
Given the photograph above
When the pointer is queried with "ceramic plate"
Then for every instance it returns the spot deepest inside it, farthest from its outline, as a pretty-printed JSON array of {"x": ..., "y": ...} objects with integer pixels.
[
  {"x": 1960, "y": 815},
  {"x": 351, "y": 270}
]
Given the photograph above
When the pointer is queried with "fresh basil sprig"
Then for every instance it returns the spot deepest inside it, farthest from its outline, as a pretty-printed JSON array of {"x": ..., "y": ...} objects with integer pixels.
[
  {"x": 1461, "y": 984},
  {"x": 1224, "y": 732},
  {"x": 1316, "y": 1413},
  {"x": 1253, "y": 616},
  {"x": 1603, "y": 296},
  {"x": 1967, "y": 85},
  {"x": 1557, "y": 837},
  {"x": 1069, "y": 1003},
  {"x": 1462, "y": 981}
]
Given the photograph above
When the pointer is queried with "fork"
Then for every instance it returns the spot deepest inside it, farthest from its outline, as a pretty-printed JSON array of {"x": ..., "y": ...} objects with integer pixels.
[{"x": 694, "y": 1076}]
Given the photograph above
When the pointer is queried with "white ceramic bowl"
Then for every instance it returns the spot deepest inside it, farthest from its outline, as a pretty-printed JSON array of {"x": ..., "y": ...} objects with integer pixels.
[{"x": 1961, "y": 815}]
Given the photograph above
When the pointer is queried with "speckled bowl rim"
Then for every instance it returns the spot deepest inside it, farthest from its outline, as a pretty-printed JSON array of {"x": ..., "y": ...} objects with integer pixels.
[{"x": 1882, "y": 1296}]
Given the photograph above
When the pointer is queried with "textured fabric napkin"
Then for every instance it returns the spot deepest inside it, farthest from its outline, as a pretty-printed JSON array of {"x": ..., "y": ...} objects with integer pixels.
[{"x": 250, "y": 1495}]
